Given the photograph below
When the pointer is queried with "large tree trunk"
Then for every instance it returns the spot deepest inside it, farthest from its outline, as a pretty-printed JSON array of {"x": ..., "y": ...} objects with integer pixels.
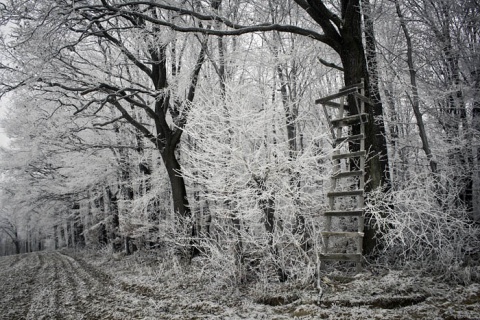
[
  {"x": 17, "y": 246},
  {"x": 354, "y": 63},
  {"x": 78, "y": 228},
  {"x": 179, "y": 196},
  {"x": 114, "y": 226},
  {"x": 55, "y": 236},
  {"x": 99, "y": 204},
  {"x": 177, "y": 183},
  {"x": 343, "y": 33},
  {"x": 355, "y": 69}
]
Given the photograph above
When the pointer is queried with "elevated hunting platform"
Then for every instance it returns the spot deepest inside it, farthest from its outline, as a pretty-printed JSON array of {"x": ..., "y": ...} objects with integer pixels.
[{"x": 346, "y": 195}]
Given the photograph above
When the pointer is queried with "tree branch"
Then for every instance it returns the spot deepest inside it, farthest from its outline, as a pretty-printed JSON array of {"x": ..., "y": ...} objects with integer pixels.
[
  {"x": 127, "y": 53},
  {"x": 103, "y": 124},
  {"x": 134, "y": 122},
  {"x": 330, "y": 23},
  {"x": 191, "y": 92},
  {"x": 329, "y": 64},
  {"x": 238, "y": 29}
]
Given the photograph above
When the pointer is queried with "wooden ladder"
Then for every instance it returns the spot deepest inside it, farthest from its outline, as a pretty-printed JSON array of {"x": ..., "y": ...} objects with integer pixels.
[{"x": 349, "y": 168}]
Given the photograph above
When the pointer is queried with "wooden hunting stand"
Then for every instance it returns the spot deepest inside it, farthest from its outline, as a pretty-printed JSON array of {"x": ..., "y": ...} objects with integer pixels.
[{"x": 348, "y": 177}]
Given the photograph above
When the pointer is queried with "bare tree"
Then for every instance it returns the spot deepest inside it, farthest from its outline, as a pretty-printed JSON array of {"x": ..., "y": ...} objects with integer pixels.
[
  {"x": 104, "y": 34},
  {"x": 414, "y": 98}
]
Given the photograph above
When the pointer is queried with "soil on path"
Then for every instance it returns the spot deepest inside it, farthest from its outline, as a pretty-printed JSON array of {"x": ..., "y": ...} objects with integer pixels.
[
  {"x": 82, "y": 285},
  {"x": 52, "y": 285}
]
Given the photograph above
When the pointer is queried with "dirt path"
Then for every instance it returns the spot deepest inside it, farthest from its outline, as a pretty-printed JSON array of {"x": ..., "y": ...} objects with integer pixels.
[
  {"x": 52, "y": 285},
  {"x": 57, "y": 285}
]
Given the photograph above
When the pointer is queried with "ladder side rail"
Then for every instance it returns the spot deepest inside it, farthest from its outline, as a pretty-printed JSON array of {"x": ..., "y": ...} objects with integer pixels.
[
  {"x": 333, "y": 182},
  {"x": 361, "y": 199},
  {"x": 357, "y": 92}
]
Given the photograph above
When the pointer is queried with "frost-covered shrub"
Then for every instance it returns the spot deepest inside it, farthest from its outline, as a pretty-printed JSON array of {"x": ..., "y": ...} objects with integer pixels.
[
  {"x": 422, "y": 224},
  {"x": 256, "y": 200}
]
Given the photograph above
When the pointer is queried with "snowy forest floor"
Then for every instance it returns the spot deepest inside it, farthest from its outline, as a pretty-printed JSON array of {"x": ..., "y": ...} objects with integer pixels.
[{"x": 86, "y": 285}]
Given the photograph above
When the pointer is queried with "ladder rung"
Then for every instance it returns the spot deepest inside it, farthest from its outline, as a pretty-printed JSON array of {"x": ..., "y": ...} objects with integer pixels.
[
  {"x": 349, "y": 155},
  {"x": 344, "y": 213},
  {"x": 347, "y": 174},
  {"x": 334, "y": 104},
  {"x": 350, "y": 138},
  {"x": 341, "y": 257},
  {"x": 342, "y": 122},
  {"x": 356, "y": 85},
  {"x": 345, "y": 193},
  {"x": 342, "y": 234},
  {"x": 336, "y": 95}
]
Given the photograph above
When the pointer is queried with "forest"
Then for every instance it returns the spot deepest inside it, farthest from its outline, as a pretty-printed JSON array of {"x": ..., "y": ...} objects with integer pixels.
[{"x": 190, "y": 127}]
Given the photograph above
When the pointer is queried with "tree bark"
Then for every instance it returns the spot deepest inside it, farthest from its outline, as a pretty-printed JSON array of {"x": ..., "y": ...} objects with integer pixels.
[
  {"x": 177, "y": 183},
  {"x": 352, "y": 55},
  {"x": 55, "y": 237},
  {"x": 114, "y": 228},
  {"x": 78, "y": 236},
  {"x": 16, "y": 242}
]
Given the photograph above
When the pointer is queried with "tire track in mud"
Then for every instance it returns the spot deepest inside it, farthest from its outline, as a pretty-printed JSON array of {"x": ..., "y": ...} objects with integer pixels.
[
  {"x": 44, "y": 300},
  {"x": 97, "y": 296},
  {"x": 65, "y": 290},
  {"x": 18, "y": 285},
  {"x": 7, "y": 261},
  {"x": 53, "y": 285},
  {"x": 15, "y": 259},
  {"x": 87, "y": 292},
  {"x": 137, "y": 301}
]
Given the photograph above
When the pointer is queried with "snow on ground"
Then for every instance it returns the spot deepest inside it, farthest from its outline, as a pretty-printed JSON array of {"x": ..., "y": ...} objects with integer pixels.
[{"x": 83, "y": 285}]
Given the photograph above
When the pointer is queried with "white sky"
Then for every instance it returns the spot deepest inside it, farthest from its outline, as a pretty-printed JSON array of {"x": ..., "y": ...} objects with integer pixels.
[
  {"x": 4, "y": 141},
  {"x": 4, "y": 104}
]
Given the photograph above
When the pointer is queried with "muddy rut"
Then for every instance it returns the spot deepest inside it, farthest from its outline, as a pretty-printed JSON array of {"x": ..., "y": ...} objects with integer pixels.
[
  {"x": 72, "y": 285},
  {"x": 52, "y": 285}
]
